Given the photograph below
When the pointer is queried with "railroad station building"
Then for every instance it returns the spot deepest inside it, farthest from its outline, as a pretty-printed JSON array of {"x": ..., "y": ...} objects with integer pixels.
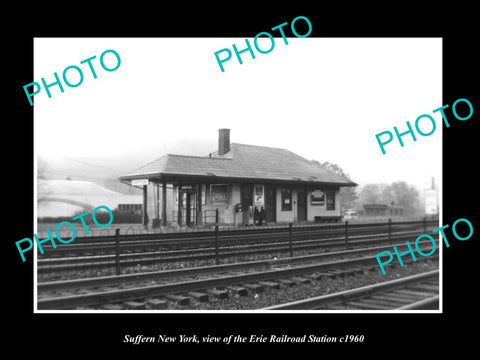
[{"x": 237, "y": 185}]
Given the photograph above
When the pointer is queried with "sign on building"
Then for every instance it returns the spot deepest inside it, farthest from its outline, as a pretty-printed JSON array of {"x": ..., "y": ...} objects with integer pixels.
[
  {"x": 139, "y": 182},
  {"x": 219, "y": 193},
  {"x": 258, "y": 195},
  {"x": 317, "y": 197}
]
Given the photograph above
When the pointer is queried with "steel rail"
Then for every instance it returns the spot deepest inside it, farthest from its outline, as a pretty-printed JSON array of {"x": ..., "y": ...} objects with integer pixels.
[
  {"x": 95, "y": 299},
  {"x": 206, "y": 239},
  {"x": 102, "y": 261},
  {"x": 242, "y": 232},
  {"x": 214, "y": 269},
  {"x": 73, "y": 301},
  {"x": 343, "y": 296},
  {"x": 144, "y": 258},
  {"x": 431, "y": 301},
  {"x": 327, "y": 242}
]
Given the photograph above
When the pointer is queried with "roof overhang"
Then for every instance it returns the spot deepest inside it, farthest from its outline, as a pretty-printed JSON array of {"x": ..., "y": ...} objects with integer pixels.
[{"x": 211, "y": 179}]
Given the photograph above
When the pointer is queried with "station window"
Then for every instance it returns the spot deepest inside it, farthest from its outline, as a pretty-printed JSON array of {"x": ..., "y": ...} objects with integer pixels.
[
  {"x": 286, "y": 199},
  {"x": 330, "y": 199},
  {"x": 219, "y": 194},
  {"x": 317, "y": 197},
  {"x": 204, "y": 194}
]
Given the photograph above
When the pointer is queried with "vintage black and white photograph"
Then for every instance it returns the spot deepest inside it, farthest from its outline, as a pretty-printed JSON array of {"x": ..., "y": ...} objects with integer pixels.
[{"x": 306, "y": 179}]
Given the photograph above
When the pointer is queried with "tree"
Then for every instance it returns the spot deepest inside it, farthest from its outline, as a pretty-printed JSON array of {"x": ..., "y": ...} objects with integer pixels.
[
  {"x": 372, "y": 194},
  {"x": 348, "y": 195},
  {"x": 398, "y": 193},
  {"x": 406, "y": 196}
]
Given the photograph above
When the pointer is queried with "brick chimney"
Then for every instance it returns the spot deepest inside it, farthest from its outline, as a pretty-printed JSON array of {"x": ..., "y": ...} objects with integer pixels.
[{"x": 223, "y": 141}]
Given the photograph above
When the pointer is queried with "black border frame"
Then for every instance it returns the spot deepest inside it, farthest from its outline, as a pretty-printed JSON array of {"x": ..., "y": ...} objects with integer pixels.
[{"x": 385, "y": 334}]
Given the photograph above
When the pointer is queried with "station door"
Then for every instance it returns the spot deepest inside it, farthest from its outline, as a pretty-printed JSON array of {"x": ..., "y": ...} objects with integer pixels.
[{"x": 270, "y": 203}]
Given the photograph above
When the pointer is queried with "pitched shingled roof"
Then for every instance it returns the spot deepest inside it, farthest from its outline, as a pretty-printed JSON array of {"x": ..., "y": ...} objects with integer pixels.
[{"x": 242, "y": 162}]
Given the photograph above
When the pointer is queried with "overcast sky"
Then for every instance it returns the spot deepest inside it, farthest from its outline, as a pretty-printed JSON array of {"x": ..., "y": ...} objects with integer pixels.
[{"x": 322, "y": 98}]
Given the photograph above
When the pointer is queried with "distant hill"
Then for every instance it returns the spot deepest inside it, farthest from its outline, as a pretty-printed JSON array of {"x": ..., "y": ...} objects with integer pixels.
[
  {"x": 69, "y": 186},
  {"x": 99, "y": 171},
  {"x": 58, "y": 197}
]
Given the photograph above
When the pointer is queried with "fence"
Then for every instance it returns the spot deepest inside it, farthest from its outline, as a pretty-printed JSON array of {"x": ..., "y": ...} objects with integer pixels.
[
  {"x": 214, "y": 245},
  {"x": 210, "y": 220}
]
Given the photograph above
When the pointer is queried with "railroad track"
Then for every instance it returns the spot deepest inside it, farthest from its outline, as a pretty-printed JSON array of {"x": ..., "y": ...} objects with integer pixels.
[
  {"x": 87, "y": 246},
  {"x": 134, "y": 291},
  {"x": 409, "y": 293},
  {"x": 233, "y": 250}
]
